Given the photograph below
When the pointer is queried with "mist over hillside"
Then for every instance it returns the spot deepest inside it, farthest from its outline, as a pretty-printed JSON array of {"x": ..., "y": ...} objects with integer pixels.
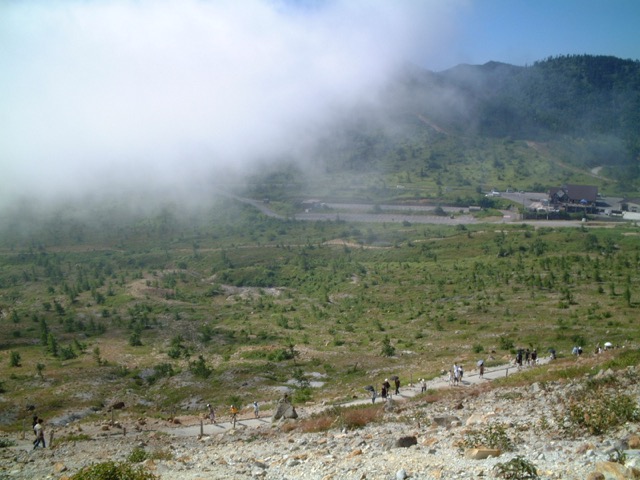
[
  {"x": 585, "y": 108},
  {"x": 111, "y": 100}
]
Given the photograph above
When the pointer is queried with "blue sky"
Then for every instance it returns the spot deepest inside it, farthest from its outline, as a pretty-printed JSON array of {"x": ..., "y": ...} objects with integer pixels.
[{"x": 523, "y": 31}]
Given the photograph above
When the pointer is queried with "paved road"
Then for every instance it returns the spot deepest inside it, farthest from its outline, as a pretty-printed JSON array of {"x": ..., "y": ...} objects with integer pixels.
[
  {"x": 396, "y": 217},
  {"x": 406, "y": 392}
]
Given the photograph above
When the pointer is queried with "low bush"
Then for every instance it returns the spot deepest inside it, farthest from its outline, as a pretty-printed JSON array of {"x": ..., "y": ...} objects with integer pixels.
[
  {"x": 317, "y": 423},
  {"x": 350, "y": 418},
  {"x": 113, "y": 471},
  {"x": 359, "y": 417},
  {"x": 517, "y": 468},
  {"x": 73, "y": 437},
  {"x": 597, "y": 413},
  {"x": 137, "y": 455},
  {"x": 5, "y": 443},
  {"x": 491, "y": 436}
]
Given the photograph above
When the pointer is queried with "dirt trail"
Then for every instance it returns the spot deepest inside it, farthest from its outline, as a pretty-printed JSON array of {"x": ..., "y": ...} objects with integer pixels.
[{"x": 247, "y": 420}]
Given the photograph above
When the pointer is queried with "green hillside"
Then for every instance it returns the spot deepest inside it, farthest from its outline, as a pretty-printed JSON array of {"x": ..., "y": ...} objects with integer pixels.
[{"x": 473, "y": 128}]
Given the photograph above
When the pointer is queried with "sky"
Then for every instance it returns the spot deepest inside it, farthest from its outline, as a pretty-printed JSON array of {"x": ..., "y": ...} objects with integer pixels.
[
  {"x": 521, "y": 32},
  {"x": 101, "y": 94}
]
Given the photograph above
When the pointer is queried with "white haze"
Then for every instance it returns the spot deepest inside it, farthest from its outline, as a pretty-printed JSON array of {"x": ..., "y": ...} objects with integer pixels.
[{"x": 101, "y": 95}]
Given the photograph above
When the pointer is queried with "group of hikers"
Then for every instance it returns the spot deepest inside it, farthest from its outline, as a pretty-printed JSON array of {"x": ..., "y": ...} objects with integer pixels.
[
  {"x": 526, "y": 357},
  {"x": 386, "y": 391},
  {"x": 233, "y": 413},
  {"x": 456, "y": 373}
]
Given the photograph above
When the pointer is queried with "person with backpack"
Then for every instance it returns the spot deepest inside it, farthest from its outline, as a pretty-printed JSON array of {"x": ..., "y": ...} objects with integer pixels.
[{"x": 234, "y": 414}]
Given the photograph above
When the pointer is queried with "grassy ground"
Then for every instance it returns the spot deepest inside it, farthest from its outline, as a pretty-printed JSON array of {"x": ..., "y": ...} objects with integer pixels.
[{"x": 230, "y": 306}]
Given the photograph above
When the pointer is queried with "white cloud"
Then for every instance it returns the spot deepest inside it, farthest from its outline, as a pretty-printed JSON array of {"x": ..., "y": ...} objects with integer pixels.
[{"x": 102, "y": 91}]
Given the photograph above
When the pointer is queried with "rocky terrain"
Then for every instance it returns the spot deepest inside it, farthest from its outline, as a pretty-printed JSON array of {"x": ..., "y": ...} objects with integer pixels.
[{"x": 424, "y": 437}]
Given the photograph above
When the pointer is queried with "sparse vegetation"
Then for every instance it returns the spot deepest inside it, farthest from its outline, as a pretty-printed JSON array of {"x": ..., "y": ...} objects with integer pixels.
[
  {"x": 275, "y": 311},
  {"x": 137, "y": 455},
  {"x": 596, "y": 409},
  {"x": 114, "y": 470},
  {"x": 5, "y": 442},
  {"x": 341, "y": 418},
  {"x": 493, "y": 435},
  {"x": 518, "y": 468}
]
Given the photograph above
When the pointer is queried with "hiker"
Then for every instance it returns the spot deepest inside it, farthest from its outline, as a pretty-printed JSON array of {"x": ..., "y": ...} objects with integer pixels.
[
  {"x": 212, "y": 414},
  {"x": 456, "y": 374},
  {"x": 39, "y": 431},
  {"x": 374, "y": 394},
  {"x": 256, "y": 410},
  {"x": 383, "y": 392},
  {"x": 460, "y": 373},
  {"x": 387, "y": 386},
  {"x": 534, "y": 357},
  {"x": 234, "y": 414},
  {"x": 423, "y": 386},
  {"x": 481, "y": 370},
  {"x": 396, "y": 382}
]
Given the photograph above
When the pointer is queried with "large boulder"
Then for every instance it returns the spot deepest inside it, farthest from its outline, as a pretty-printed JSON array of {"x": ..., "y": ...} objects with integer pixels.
[
  {"x": 285, "y": 410},
  {"x": 406, "y": 442},
  {"x": 481, "y": 453},
  {"x": 616, "y": 471},
  {"x": 445, "y": 420}
]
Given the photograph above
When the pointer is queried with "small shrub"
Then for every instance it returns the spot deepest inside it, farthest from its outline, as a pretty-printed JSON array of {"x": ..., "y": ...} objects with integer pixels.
[
  {"x": 113, "y": 470},
  {"x": 598, "y": 412},
  {"x": 137, "y": 455},
  {"x": 317, "y": 423},
  {"x": 162, "y": 455},
  {"x": 388, "y": 350},
  {"x": 73, "y": 437},
  {"x": 517, "y": 468},
  {"x": 360, "y": 417},
  {"x": 506, "y": 343},
  {"x": 14, "y": 359},
  {"x": 618, "y": 456},
  {"x": 281, "y": 355},
  {"x": 302, "y": 394},
  {"x": 68, "y": 353},
  {"x": 199, "y": 368},
  {"x": 135, "y": 340},
  {"x": 491, "y": 436},
  {"x": 5, "y": 443}
]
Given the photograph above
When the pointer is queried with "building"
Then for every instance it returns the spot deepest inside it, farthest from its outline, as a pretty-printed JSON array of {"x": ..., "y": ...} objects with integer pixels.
[{"x": 574, "y": 198}]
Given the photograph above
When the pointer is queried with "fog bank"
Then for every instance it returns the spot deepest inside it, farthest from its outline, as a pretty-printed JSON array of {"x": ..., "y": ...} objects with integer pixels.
[{"x": 98, "y": 94}]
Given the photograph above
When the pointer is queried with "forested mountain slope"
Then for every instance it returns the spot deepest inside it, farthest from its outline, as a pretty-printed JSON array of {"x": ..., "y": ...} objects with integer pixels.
[{"x": 584, "y": 109}]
